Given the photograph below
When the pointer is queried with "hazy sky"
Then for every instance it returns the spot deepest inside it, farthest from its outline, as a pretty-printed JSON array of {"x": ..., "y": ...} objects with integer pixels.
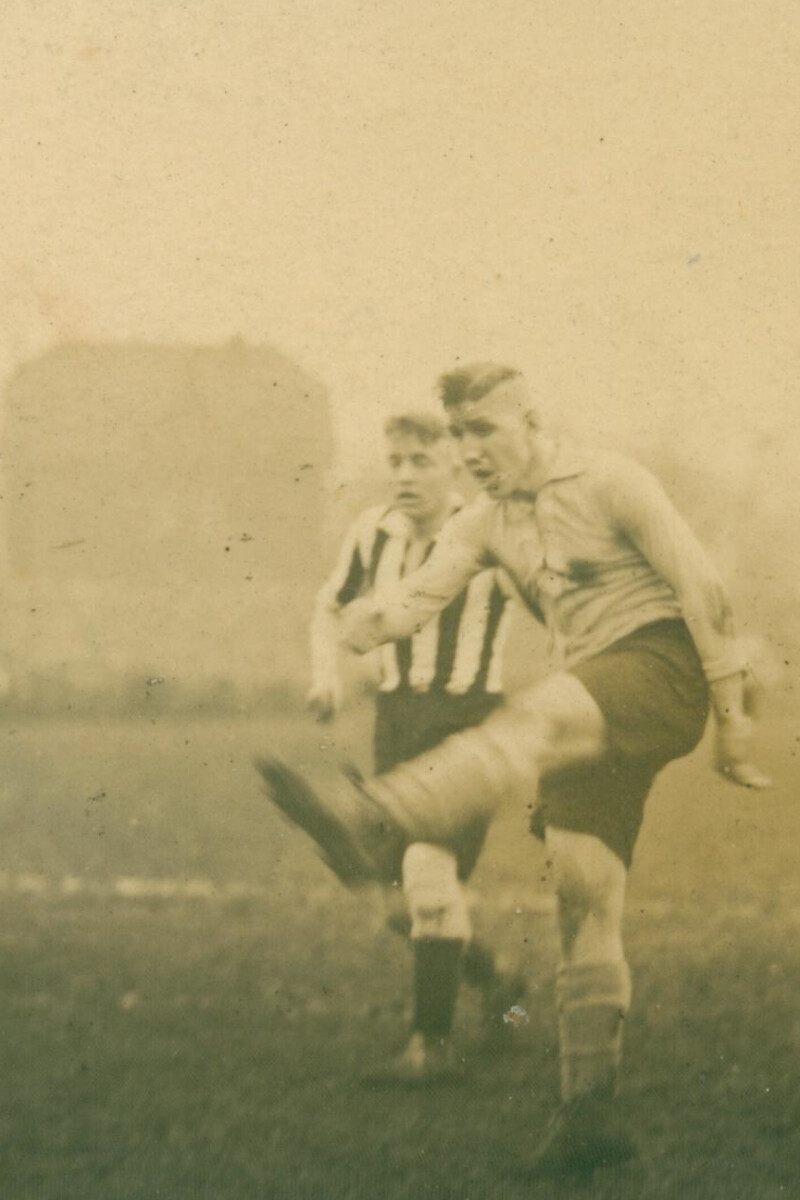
[{"x": 604, "y": 193}]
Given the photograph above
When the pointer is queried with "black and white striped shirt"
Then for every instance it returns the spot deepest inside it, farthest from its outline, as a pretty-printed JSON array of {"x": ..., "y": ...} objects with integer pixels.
[{"x": 457, "y": 652}]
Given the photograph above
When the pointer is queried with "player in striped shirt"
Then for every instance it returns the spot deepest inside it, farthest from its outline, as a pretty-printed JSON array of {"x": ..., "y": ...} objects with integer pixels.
[
  {"x": 440, "y": 680},
  {"x": 645, "y": 636}
]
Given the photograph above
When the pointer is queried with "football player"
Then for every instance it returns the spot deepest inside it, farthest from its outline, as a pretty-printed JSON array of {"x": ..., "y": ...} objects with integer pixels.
[
  {"x": 645, "y": 635},
  {"x": 433, "y": 683}
]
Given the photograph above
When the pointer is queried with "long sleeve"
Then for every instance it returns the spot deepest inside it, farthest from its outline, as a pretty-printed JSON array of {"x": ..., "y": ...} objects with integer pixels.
[
  {"x": 342, "y": 586},
  {"x": 401, "y": 611},
  {"x": 642, "y": 511}
]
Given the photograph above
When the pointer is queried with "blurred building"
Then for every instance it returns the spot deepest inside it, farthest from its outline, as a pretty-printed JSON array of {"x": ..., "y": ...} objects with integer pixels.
[{"x": 163, "y": 514}]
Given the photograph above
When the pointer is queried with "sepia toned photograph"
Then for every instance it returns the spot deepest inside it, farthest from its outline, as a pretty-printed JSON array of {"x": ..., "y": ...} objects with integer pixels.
[{"x": 400, "y": 601}]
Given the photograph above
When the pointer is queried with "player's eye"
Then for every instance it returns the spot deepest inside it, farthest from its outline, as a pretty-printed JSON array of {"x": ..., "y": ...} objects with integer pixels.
[{"x": 456, "y": 432}]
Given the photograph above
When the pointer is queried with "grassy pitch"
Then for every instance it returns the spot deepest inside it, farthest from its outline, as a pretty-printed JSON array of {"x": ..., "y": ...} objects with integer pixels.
[{"x": 188, "y": 998}]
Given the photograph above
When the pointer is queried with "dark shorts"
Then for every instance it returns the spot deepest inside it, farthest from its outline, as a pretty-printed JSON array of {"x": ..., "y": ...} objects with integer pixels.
[
  {"x": 651, "y": 689},
  {"x": 409, "y": 723}
]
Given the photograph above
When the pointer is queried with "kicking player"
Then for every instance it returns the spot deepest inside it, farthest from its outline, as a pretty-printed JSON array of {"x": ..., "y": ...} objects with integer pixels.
[
  {"x": 645, "y": 634},
  {"x": 440, "y": 680}
]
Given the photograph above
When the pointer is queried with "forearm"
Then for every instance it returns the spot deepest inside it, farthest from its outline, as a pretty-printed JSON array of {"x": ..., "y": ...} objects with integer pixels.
[
  {"x": 674, "y": 551},
  {"x": 728, "y": 697},
  {"x": 377, "y": 619},
  {"x": 399, "y": 611},
  {"x": 324, "y": 636},
  {"x": 710, "y": 621}
]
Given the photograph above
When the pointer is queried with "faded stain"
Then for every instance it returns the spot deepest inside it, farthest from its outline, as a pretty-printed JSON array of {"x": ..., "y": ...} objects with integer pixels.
[{"x": 516, "y": 1016}]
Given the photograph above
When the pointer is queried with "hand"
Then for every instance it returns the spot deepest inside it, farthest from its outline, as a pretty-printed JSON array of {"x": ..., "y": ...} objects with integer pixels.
[
  {"x": 734, "y": 735},
  {"x": 324, "y": 698},
  {"x": 359, "y": 625}
]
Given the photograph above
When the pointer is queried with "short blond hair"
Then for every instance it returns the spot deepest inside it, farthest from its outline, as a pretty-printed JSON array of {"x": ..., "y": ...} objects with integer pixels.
[{"x": 426, "y": 427}]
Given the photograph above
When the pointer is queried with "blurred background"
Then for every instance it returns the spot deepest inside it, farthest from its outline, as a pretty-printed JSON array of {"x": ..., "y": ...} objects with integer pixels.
[
  {"x": 170, "y": 510},
  {"x": 235, "y": 235},
  {"x": 165, "y": 517}
]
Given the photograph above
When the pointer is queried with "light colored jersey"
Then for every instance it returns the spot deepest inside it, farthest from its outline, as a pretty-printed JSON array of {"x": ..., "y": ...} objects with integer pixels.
[
  {"x": 458, "y": 652},
  {"x": 597, "y": 553}
]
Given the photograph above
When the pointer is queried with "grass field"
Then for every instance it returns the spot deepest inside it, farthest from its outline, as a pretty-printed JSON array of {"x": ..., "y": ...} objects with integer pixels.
[{"x": 187, "y": 998}]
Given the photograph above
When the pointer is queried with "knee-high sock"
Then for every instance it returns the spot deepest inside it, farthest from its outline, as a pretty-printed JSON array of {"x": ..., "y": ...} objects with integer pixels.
[
  {"x": 436, "y": 907},
  {"x": 437, "y": 969},
  {"x": 440, "y": 925},
  {"x": 593, "y": 999}
]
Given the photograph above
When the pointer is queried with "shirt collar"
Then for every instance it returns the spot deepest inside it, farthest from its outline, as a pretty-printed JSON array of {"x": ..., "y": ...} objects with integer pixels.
[
  {"x": 568, "y": 461},
  {"x": 397, "y": 524}
]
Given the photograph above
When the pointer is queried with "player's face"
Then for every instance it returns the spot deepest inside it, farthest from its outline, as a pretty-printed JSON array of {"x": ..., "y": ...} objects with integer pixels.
[
  {"x": 494, "y": 439},
  {"x": 421, "y": 475}
]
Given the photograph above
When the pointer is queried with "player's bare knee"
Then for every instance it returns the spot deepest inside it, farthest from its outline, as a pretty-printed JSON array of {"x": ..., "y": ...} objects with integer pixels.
[
  {"x": 572, "y": 892},
  {"x": 544, "y": 721},
  {"x": 589, "y": 878},
  {"x": 436, "y": 900},
  {"x": 564, "y": 720}
]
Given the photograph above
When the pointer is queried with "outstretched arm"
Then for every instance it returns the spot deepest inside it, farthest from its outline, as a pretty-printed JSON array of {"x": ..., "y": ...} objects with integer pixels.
[
  {"x": 400, "y": 611},
  {"x": 643, "y": 512}
]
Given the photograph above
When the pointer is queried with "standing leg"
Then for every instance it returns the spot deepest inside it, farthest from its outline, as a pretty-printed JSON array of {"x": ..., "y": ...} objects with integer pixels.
[
  {"x": 500, "y": 990},
  {"x": 593, "y": 992},
  {"x": 593, "y": 978},
  {"x": 440, "y": 929}
]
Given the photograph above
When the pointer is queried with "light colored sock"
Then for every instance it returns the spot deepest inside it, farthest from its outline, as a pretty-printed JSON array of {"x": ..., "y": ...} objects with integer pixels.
[
  {"x": 464, "y": 779},
  {"x": 593, "y": 999}
]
